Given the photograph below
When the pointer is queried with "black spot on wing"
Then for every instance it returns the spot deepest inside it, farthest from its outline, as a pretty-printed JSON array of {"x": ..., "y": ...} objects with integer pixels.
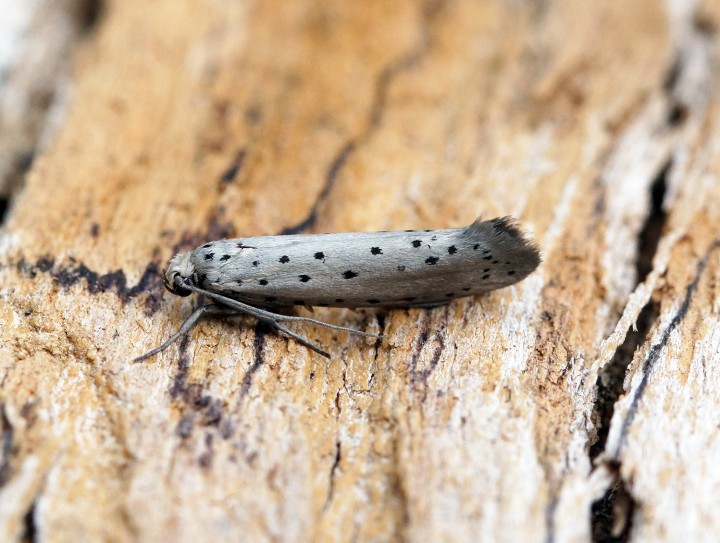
[
  {"x": 401, "y": 267},
  {"x": 432, "y": 260},
  {"x": 223, "y": 258},
  {"x": 416, "y": 243},
  {"x": 284, "y": 259},
  {"x": 319, "y": 255},
  {"x": 263, "y": 282},
  {"x": 209, "y": 256},
  {"x": 376, "y": 250},
  {"x": 452, "y": 250},
  {"x": 304, "y": 278},
  {"x": 349, "y": 274}
]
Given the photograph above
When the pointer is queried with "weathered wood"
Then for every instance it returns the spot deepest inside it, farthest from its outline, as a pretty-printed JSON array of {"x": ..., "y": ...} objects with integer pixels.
[
  {"x": 478, "y": 421},
  {"x": 36, "y": 41}
]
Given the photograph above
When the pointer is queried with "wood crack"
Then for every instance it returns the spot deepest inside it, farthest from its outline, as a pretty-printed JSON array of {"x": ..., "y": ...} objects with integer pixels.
[{"x": 377, "y": 109}]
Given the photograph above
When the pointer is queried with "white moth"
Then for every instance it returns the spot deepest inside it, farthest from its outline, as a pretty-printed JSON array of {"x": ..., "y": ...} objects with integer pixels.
[{"x": 259, "y": 276}]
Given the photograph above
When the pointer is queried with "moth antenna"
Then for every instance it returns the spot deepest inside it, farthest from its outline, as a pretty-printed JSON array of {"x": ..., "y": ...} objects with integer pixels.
[{"x": 188, "y": 325}]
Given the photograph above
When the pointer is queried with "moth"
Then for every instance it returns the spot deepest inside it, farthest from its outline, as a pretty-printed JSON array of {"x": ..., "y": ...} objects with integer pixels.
[{"x": 265, "y": 276}]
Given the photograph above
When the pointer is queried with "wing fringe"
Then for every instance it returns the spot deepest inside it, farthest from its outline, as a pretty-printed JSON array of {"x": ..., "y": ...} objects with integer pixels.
[{"x": 506, "y": 231}]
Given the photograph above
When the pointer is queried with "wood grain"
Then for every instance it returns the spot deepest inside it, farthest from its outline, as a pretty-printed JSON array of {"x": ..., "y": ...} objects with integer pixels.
[{"x": 536, "y": 413}]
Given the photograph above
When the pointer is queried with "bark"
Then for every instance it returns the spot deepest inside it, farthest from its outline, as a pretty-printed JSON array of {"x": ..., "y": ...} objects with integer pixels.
[
  {"x": 36, "y": 41},
  {"x": 579, "y": 405}
]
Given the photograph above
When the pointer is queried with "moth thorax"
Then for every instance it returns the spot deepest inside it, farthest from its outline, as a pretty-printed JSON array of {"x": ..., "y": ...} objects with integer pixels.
[{"x": 180, "y": 269}]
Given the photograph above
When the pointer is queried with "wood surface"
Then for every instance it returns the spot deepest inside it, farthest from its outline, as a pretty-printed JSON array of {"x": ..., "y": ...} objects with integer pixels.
[{"x": 582, "y": 404}]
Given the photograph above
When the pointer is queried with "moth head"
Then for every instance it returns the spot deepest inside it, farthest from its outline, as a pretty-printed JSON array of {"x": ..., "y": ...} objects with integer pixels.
[{"x": 180, "y": 272}]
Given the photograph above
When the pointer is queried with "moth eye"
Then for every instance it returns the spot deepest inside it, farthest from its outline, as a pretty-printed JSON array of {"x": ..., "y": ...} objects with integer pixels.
[{"x": 173, "y": 284}]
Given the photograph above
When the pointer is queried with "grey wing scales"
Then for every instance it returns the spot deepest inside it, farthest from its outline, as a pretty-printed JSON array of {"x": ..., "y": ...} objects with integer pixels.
[
  {"x": 403, "y": 268},
  {"x": 503, "y": 255}
]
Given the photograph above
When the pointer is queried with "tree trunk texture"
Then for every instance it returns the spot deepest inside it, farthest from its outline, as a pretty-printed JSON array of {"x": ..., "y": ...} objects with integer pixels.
[{"x": 582, "y": 404}]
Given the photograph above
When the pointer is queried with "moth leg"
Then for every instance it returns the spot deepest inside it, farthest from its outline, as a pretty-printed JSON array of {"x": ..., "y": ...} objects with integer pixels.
[
  {"x": 299, "y": 339},
  {"x": 189, "y": 324},
  {"x": 269, "y": 316},
  {"x": 326, "y": 325}
]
